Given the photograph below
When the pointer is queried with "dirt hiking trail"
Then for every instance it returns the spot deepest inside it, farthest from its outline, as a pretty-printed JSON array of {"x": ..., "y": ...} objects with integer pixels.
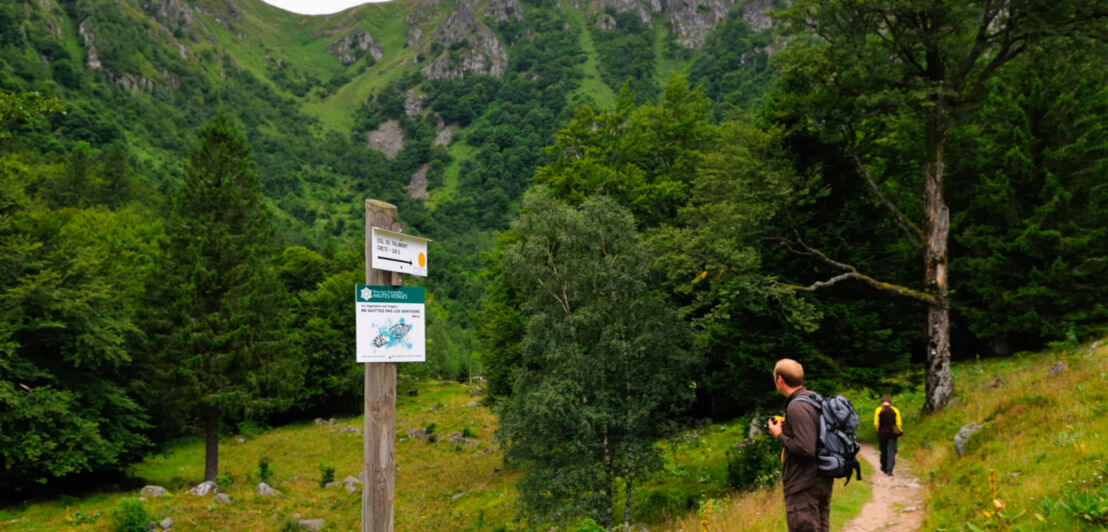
[{"x": 897, "y": 503}]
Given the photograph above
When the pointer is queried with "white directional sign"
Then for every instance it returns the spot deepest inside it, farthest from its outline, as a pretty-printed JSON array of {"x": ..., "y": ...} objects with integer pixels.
[
  {"x": 390, "y": 323},
  {"x": 398, "y": 252}
]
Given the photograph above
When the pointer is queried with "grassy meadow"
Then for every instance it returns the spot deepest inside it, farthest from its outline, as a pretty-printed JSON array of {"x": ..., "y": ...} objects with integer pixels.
[
  {"x": 440, "y": 484},
  {"x": 1038, "y": 463}
]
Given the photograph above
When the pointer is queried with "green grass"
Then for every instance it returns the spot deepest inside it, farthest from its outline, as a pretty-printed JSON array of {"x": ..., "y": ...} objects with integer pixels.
[
  {"x": 1043, "y": 443},
  {"x": 592, "y": 85},
  {"x": 439, "y": 486}
]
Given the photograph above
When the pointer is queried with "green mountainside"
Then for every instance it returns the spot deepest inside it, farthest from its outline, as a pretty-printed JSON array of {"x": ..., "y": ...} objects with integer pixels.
[{"x": 635, "y": 208}]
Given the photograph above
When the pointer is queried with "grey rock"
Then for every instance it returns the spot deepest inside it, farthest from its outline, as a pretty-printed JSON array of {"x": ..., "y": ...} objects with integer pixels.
[
  {"x": 756, "y": 14},
  {"x": 757, "y": 426},
  {"x": 483, "y": 54},
  {"x": 963, "y": 435},
  {"x": 442, "y": 138},
  {"x": 1092, "y": 348},
  {"x": 166, "y": 524},
  {"x": 1058, "y": 367},
  {"x": 152, "y": 491},
  {"x": 264, "y": 490},
  {"x": 456, "y": 437},
  {"x": 500, "y": 10},
  {"x": 413, "y": 104},
  {"x": 354, "y": 45},
  {"x": 353, "y": 488},
  {"x": 312, "y": 524},
  {"x": 351, "y": 480},
  {"x": 417, "y": 433},
  {"x": 691, "y": 20},
  {"x": 222, "y": 498},
  {"x": 388, "y": 138},
  {"x": 332, "y": 484},
  {"x": 205, "y": 488}
]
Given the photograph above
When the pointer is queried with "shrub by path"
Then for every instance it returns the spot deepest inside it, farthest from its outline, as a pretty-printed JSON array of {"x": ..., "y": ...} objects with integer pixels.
[{"x": 897, "y": 502}]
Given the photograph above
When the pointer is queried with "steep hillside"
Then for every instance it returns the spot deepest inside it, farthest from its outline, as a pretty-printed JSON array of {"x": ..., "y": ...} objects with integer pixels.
[
  {"x": 1036, "y": 451},
  {"x": 441, "y": 106}
]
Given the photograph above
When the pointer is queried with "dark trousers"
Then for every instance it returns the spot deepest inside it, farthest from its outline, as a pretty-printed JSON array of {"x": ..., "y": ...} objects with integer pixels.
[
  {"x": 887, "y": 442},
  {"x": 809, "y": 510}
]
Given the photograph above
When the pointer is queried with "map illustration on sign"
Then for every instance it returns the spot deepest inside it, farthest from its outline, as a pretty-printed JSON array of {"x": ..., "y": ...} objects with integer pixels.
[{"x": 390, "y": 323}]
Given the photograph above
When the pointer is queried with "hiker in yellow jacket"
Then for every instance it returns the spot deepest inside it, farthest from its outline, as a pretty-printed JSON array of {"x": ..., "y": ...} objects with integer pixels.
[{"x": 886, "y": 421}]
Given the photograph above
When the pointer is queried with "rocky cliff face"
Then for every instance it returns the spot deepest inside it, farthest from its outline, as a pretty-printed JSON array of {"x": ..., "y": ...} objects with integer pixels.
[
  {"x": 691, "y": 20},
  {"x": 354, "y": 45},
  {"x": 470, "y": 48},
  {"x": 646, "y": 9},
  {"x": 499, "y": 10}
]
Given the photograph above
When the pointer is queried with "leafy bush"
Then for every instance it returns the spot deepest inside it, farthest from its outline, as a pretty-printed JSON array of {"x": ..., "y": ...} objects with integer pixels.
[
  {"x": 753, "y": 463},
  {"x": 265, "y": 469},
  {"x": 327, "y": 475},
  {"x": 131, "y": 516},
  {"x": 1089, "y": 506}
]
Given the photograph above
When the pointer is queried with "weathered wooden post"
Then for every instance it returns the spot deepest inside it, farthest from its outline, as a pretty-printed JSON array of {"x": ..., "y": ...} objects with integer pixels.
[{"x": 379, "y": 427}]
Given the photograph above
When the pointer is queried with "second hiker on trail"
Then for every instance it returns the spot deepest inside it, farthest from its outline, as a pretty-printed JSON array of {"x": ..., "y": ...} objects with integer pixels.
[
  {"x": 807, "y": 492},
  {"x": 886, "y": 421}
]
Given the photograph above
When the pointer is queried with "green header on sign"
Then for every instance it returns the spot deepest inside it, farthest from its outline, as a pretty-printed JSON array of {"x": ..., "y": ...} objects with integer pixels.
[{"x": 388, "y": 294}]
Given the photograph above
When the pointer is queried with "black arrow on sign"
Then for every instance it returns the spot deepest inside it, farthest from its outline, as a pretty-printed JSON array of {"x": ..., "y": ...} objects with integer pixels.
[{"x": 408, "y": 262}]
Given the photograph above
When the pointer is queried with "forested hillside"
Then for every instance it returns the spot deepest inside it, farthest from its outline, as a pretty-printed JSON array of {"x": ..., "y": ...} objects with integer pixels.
[{"x": 772, "y": 172}]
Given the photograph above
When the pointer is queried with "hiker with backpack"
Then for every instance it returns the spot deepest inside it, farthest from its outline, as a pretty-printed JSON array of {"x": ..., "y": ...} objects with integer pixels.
[
  {"x": 807, "y": 491},
  {"x": 886, "y": 421}
]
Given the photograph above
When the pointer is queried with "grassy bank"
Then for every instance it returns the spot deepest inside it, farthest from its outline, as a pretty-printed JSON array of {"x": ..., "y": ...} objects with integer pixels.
[{"x": 1039, "y": 461}]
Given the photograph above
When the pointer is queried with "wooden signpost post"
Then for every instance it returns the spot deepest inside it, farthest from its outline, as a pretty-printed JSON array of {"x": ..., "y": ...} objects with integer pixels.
[{"x": 390, "y": 250}]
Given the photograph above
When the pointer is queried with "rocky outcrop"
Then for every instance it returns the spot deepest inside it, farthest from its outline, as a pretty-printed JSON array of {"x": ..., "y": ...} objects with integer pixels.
[
  {"x": 471, "y": 48},
  {"x": 413, "y": 104},
  {"x": 499, "y": 10},
  {"x": 171, "y": 13},
  {"x": 645, "y": 10},
  {"x": 691, "y": 20},
  {"x": 355, "y": 45},
  {"x": 443, "y": 137},
  {"x": 756, "y": 14},
  {"x": 417, "y": 187},
  {"x": 963, "y": 435},
  {"x": 414, "y": 36},
  {"x": 388, "y": 138},
  {"x": 85, "y": 31}
]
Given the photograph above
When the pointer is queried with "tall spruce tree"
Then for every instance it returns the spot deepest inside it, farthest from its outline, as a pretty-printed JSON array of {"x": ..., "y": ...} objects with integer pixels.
[{"x": 224, "y": 350}]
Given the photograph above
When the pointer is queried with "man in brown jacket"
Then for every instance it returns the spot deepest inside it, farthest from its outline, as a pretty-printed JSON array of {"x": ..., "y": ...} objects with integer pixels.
[{"x": 807, "y": 492}]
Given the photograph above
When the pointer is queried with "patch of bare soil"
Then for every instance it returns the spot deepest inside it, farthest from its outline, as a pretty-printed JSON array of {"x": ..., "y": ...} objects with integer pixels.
[{"x": 897, "y": 502}]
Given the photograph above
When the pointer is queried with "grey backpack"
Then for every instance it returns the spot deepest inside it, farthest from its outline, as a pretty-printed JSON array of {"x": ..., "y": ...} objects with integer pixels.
[{"x": 837, "y": 449}]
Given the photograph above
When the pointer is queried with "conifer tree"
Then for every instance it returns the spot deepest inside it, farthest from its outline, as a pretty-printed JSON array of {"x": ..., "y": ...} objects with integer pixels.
[{"x": 223, "y": 351}]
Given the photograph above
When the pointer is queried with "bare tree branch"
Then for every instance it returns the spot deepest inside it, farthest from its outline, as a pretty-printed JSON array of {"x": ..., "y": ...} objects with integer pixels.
[
  {"x": 911, "y": 230},
  {"x": 853, "y": 273}
]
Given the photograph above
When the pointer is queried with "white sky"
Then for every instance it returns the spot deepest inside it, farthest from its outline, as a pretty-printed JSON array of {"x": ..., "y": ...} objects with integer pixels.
[{"x": 317, "y": 7}]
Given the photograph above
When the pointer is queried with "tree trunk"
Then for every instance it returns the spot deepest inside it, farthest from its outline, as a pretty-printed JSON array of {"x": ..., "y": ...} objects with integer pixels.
[
  {"x": 939, "y": 385},
  {"x": 627, "y": 484},
  {"x": 211, "y": 445}
]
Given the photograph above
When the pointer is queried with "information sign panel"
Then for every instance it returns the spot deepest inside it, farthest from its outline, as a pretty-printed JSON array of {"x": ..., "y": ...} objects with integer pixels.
[
  {"x": 398, "y": 252},
  {"x": 390, "y": 323}
]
